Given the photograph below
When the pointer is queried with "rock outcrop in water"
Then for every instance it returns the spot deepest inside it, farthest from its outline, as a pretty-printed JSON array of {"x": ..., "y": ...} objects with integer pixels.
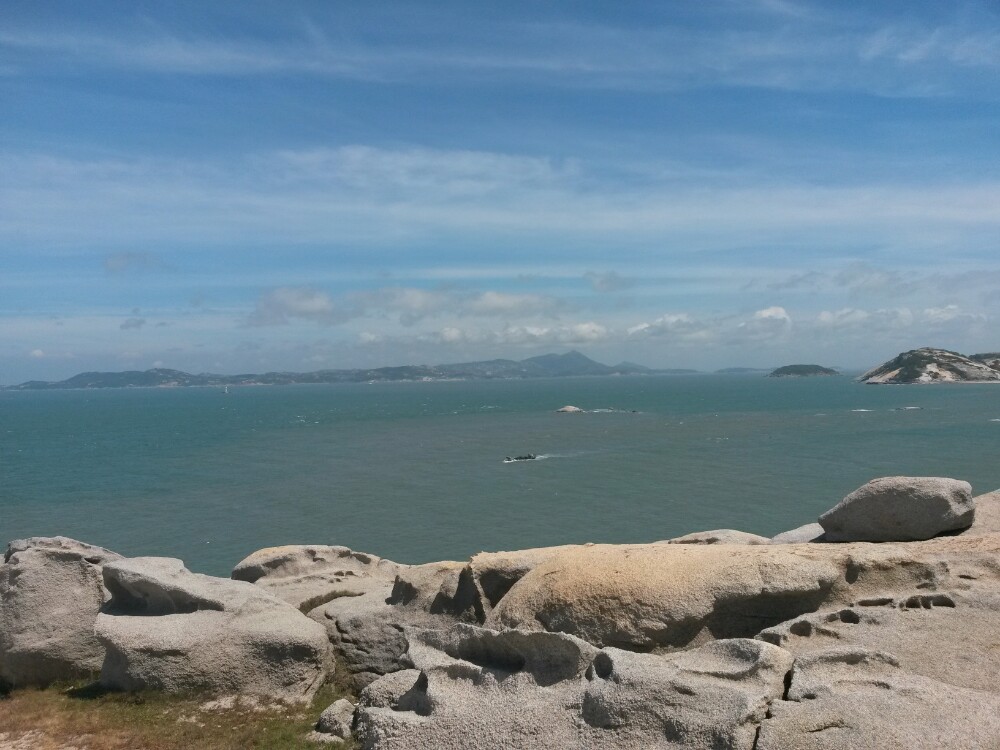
[
  {"x": 717, "y": 640},
  {"x": 930, "y": 365}
]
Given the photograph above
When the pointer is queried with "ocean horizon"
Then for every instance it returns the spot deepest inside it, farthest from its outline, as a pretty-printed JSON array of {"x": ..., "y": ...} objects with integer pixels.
[{"x": 414, "y": 471}]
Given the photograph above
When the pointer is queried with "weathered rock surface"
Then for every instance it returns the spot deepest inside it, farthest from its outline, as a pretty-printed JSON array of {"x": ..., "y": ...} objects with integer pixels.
[
  {"x": 166, "y": 628},
  {"x": 307, "y": 576},
  {"x": 900, "y": 509},
  {"x": 643, "y": 597},
  {"x": 945, "y": 637},
  {"x": 477, "y": 688},
  {"x": 718, "y": 536},
  {"x": 859, "y": 698},
  {"x": 811, "y": 532},
  {"x": 51, "y": 590}
]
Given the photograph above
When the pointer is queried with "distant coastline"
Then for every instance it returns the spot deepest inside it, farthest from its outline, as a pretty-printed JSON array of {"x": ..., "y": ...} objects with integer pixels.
[{"x": 571, "y": 364}]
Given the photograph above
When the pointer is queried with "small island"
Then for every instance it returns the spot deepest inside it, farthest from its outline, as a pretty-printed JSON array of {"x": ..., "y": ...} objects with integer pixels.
[{"x": 801, "y": 371}]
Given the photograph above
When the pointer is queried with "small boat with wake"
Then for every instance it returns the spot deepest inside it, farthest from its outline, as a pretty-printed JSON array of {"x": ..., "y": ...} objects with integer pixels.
[{"x": 515, "y": 459}]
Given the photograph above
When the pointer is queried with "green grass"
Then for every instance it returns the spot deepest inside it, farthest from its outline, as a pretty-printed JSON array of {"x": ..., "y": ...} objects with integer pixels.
[{"x": 86, "y": 716}]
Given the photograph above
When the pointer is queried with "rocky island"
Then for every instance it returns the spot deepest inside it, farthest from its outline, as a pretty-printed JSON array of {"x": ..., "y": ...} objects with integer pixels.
[
  {"x": 801, "y": 371},
  {"x": 929, "y": 365},
  {"x": 874, "y": 628}
]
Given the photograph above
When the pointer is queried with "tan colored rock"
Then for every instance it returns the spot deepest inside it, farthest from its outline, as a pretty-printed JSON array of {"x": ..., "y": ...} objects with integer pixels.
[
  {"x": 987, "y": 515},
  {"x": 668, "y": 596},
  {"x": 488, "y": 576}
]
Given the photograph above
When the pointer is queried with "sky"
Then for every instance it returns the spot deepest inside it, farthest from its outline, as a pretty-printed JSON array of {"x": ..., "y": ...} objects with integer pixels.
[{"x": 256, "y": 186}]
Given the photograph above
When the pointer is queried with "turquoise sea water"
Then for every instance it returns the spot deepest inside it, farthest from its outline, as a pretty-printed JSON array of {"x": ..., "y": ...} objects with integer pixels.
[{"x": 415, "y": 472}]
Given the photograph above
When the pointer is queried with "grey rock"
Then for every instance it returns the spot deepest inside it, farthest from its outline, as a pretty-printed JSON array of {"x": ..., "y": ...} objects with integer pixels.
[
  {"x": 483, "y": 689},
  {"x": 429, "y": 588},
  {"x": 719, "y": 536},
  {"x": 859, "y": 698},
  {"x": 307, "y": 576},
  {"x": 811, "y": 532},
  {"x": 900, "y": 509},
  {"x": 51, "y": 590},
  {"x": 715, "y": 696},
  {"x": 946, "y": 636},
  {"x": 168, "y": 629},
  {"x": 337, "y": 719}
]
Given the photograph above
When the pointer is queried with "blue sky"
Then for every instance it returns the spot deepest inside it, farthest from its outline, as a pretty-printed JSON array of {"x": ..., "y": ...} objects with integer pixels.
[{"x": 254, "y": 186}]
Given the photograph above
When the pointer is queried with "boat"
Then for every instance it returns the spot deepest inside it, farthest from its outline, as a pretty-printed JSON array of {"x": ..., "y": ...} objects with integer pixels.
[{"x": 515, "y": 459}]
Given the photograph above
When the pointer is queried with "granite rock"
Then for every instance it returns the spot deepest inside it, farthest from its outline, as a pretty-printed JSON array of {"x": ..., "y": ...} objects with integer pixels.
[
  {"x": 51, "y": 590},
  {"x": 900, "y": 509},
  {"x": 168, "y": 629},
  {"x": 811, "y": 532}
]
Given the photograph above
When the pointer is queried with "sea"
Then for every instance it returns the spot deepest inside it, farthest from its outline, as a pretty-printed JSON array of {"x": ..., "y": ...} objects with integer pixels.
[{"x": 415, "y": 471}]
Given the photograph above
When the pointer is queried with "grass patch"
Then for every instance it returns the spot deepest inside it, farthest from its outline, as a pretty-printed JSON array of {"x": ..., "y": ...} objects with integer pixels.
[{"x": 86, "y": 717}]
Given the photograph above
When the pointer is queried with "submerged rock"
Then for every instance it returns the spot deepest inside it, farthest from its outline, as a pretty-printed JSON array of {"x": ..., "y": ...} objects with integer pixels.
[
  {"x": 168, "y": 629},
  {"x": 51, "y": 590},
  {"x": 900, "y": 509}
]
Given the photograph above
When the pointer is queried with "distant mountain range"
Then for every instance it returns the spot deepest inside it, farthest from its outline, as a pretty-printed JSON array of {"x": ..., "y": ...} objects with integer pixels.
[{"x": 545, "y": 366}]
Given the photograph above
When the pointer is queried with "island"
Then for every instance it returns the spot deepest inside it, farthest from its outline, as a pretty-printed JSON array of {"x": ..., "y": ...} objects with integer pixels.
[
  {"x": 801, "y": 371},
  {"x": 570, "y": 364},
  {"x": 930, "y": 365}
]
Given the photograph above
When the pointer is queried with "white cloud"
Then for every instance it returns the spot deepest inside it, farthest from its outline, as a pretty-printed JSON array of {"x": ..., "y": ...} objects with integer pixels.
[
  {"x": 36, "y": 354},
  {"x": 764, "y": 325},
  {"x": 281, "y": 305},
  {"x": 677, "y": 326},
  {"x": 950, "y": 314}
]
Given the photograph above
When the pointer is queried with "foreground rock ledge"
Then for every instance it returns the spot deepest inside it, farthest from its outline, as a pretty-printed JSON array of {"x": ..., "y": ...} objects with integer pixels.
[{"x": 715, "y": 640}]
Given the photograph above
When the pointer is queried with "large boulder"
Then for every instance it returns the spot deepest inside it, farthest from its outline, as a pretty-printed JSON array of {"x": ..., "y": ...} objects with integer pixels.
[
  {"x": 51, "y": 590},
  {"x": 641, "y": 597},
  {"x": 168, "y": 629},
  {"x": 900, "y": 509},
  {"x": 480, "y": 689}
]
